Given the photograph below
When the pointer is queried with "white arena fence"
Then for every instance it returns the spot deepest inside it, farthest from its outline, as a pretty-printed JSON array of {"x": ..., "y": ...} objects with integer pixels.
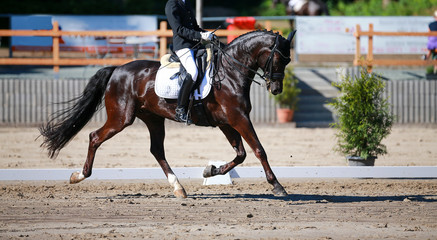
[
  {"x": 412, "y": 101},
  {"x": 30, "y": 101},
  {"x": 400, "y": 172}
]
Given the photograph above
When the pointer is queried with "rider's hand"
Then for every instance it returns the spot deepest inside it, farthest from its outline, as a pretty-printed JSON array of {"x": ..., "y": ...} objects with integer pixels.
[{"x": 207, "y": 36}]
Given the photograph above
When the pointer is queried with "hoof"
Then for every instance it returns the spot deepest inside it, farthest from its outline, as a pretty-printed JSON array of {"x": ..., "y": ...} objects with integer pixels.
[
  {"x": 180, "y": 193},
  {"x": 208, "y": 171},
  {"x": 279, "y": 191},
  {"x": 76, "y": 177}
]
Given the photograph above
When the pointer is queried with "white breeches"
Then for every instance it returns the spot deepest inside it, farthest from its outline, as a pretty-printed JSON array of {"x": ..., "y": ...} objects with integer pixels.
[{"x": 186, "y": 56}]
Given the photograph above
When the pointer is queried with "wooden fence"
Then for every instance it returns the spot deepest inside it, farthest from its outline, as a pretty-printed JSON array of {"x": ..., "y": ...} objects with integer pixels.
[
  {"x": 162, "y": 33},
  {"x": 369, "y": 62}
]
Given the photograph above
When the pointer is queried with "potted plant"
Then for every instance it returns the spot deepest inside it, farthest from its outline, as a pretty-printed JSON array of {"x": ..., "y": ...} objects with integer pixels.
[
  {"x": 364, "y": 118},
  {"x": 288, "y": 99},
  {"x": 430, "y": 73}
]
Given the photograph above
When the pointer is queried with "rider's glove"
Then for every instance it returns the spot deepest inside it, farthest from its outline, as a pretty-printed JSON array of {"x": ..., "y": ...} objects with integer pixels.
[{"x": 206, "y": 36}]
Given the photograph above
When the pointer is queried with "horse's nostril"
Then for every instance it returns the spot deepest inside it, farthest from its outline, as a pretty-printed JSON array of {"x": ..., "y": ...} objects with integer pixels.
[{"x": 275, "y": 91}]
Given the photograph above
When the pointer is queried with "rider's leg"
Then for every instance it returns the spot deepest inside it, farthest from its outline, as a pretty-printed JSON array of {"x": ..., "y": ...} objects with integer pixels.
[
  {"x": 183, "y": 99},
  {"x": 186, "y": 57}
]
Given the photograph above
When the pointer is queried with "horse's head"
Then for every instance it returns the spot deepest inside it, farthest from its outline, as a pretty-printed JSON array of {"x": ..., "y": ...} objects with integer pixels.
[
  {"x": 273, "y": 59},
  {"x": 260, "y": 49}
]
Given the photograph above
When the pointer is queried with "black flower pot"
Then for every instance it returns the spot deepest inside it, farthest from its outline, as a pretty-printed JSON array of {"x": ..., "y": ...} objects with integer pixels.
[
  {"x": 431, "y": 76},
  {"x": 359, "y": 161}
]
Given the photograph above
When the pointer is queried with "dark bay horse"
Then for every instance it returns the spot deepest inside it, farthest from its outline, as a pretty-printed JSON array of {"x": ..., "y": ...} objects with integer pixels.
[{"x": 128, "y": 92}]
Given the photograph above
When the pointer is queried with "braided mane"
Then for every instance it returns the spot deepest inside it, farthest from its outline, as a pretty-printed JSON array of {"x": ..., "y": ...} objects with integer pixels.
[{"x": 253, "y": 32}]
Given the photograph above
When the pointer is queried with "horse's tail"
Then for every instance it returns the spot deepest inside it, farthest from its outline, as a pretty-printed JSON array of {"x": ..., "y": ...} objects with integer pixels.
[{"x": 66, "y": 123}]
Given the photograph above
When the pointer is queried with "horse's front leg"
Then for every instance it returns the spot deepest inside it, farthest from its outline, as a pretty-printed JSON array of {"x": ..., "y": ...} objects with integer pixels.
[
  {"x": 245, "y": 128},
  {"x": 235, "y": 140}
]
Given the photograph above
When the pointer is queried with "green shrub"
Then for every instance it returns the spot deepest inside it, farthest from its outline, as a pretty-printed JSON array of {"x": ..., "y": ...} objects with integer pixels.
[
  {"x": 430, "y": 70},
  {"x": 364, "y": 116}
]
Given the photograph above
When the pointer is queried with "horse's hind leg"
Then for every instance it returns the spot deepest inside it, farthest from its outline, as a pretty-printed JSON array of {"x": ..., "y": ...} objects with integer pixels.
[
  {"x": 235, "y": 140},
  {"x": 156, "y": 127},
  {"x": 118, "y": 119}
]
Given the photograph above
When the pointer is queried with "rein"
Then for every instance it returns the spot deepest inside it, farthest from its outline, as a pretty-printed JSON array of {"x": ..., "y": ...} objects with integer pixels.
[{"x": 217, "y": 45}]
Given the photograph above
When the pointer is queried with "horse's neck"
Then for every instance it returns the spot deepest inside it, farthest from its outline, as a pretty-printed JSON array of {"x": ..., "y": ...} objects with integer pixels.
[{"x": 245, "y": 55}]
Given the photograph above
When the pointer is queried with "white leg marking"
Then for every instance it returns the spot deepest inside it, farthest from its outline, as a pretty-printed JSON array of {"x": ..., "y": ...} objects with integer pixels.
[
  {"x": 81, "y": 176},
  {"x": 76, "y": 177},
  {"x": 173, "y": 180}
]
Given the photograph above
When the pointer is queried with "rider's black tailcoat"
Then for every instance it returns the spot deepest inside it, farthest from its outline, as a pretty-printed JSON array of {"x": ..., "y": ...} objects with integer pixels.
[{"x": 186, "y": 31}]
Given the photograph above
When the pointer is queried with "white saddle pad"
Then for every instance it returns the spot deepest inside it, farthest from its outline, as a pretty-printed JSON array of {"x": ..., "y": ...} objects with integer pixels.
[{"x": 166, "y": 87}]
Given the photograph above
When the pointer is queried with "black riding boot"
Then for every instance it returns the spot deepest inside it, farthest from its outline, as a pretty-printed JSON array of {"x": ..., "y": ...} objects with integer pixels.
[{"x": 183, "y": 98}]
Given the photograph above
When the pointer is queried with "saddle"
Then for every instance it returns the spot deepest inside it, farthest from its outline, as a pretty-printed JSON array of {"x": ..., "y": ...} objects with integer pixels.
[
  {"x": 203, "y": 60},
  {"x": 172, "y": 74}
]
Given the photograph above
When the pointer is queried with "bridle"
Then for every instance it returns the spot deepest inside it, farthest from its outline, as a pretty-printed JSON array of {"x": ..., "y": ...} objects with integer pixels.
[{"x": 268, "y": 75}]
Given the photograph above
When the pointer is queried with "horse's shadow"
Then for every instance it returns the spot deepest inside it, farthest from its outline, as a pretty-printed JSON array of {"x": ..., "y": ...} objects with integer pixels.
[
  {"x": 295, "y": 198},
  {"x": 312, "y": 198}
]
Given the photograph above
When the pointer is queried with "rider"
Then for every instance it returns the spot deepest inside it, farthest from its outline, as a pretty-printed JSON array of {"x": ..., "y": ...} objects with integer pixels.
[
  {"x": 432, "y": 42},
  {"x": 186, "y": 35}
]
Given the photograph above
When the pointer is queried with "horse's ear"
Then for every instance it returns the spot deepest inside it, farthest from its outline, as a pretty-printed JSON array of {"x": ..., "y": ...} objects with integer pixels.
[{"x": 291, "y": 36}]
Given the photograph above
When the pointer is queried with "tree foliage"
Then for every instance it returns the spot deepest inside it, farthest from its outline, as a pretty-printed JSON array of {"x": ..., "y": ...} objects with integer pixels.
[
  {"x": 375, "y": 8},
  {"x": 114, "y": 7},
  {"x": 243, "y": 7},
  {"x": 364, "y": 8}
]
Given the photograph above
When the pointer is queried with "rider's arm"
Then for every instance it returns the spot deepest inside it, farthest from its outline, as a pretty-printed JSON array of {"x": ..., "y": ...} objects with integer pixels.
[{"x": 172, "y": 11}]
